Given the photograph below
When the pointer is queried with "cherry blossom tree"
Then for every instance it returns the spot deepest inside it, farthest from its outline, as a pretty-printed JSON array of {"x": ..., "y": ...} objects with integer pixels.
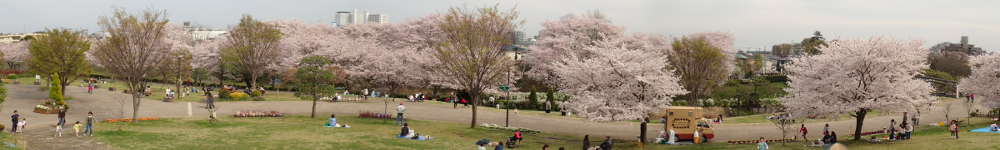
[
  {"x": 567, "y": 37},
  {"x": 560, "y": 39},
  {"x": 984, "y": 81},
  {"x": 15, "y": 53},
  {"x": 857, "y": 76},
  {"x": 205, "y": 57},
  {"x": 178, "y": 65},
  {"x": 619, "y": 80}
]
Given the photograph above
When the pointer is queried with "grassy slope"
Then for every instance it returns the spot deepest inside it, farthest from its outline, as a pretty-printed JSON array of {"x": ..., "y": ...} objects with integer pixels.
[
  {"x": 928, "y": 137},
  {"x": 300, "y": 133}
]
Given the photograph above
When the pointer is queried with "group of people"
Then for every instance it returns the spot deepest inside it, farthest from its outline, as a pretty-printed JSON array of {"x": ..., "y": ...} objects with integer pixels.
[
  {"x": 668, "y": 136},
  {"x": 902, "y": 133},
  {"x": 829, "y": 136},
  {"x": 18, "y": 124},
  {"x": 606, "y": 145},
  {"x": 419, "y": 97}
]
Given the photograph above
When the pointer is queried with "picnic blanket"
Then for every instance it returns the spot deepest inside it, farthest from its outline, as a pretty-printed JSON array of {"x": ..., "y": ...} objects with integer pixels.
[{"x": 984, "y": 130}]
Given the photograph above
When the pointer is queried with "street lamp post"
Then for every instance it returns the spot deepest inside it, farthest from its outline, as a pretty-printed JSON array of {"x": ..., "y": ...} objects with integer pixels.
[
  {"x": 506, "y": 89},
  {"x": 507, "y": 118}
]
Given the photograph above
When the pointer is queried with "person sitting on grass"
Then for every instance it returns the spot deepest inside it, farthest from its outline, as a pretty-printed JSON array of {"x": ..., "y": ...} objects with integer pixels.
[
  {"x": 499, "y": 146},
  {"x": 994, "y": 127},
  {"x": 607, "y": 145},
  {"x": 408, "y": 133},
  {"x": 405, "y": 131},
  {"x": 818, "y": 143},
  {"x": 333, "y": 123},
  {"x": 516, "y": 138},
  {"x": 874, "y": 139}
]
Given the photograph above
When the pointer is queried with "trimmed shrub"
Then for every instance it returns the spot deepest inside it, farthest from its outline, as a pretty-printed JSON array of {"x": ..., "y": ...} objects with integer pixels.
[
  {"x": 238, "y": 96},
  {"x": 224, "y": 94},
  {"x": 256, "y": 93}
]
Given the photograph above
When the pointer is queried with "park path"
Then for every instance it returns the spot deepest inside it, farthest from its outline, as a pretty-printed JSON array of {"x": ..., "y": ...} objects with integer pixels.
[{"x": 108, "y": 104}]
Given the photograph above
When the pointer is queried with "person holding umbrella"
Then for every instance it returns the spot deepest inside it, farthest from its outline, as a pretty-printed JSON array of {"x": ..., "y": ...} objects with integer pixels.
[{"x": 482, "y": 144}]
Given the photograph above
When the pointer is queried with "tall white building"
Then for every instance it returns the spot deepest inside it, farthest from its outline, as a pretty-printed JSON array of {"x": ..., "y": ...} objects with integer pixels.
[
  {"x": 203, "y": 33},
  {"x": 343, "y": 18},
  {"x": 376, "y": 18}
]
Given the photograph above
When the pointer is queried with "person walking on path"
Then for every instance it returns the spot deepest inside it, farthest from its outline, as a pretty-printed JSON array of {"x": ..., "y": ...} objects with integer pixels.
[
  {"x": 89, "y": 130},
  {"x": 62, "y": 118},
  {"x": 59, "y": 130},
  {"x": 13, "y": 119},
  {"x": 22, "y": 124},
  {"x": 399, "y": 114},
  {"x": 804, "y": 131},
  {"x": 76, "y": 128},
  {"x": 90, "y": 88}
]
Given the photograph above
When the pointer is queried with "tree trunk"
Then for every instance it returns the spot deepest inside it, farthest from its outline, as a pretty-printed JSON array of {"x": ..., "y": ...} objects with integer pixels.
[
  {"x": 222, "y": 75},
  {"x": 177, "y": 89},
  {"x": 315, "y": 98},
  {"x": 642, "y": 128},
  {"x": 253, "y": 82},
  {"x": 136, "y": 99},
  {"x": 692, "y": 99},
  {"x": 860, "y": 115},
  {"x": 475, "y": 103}
]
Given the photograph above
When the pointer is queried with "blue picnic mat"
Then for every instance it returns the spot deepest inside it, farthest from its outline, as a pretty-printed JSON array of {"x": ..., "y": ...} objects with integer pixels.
[{"x": 984, "y": 130}]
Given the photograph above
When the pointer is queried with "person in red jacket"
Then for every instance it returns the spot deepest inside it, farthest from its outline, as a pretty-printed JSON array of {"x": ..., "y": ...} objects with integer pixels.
[{"x": 804, "y": 131}]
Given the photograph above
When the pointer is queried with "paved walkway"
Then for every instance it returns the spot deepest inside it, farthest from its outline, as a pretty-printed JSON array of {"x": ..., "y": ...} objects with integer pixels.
[{"x": 106, "y": 104}]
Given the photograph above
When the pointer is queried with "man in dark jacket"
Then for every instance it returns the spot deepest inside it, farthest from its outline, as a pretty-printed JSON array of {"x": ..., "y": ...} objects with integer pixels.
[
  {"x": 62, "y": 117},
  {"x": 607, "y": 144},
  {"x": 13, "y": 119}
]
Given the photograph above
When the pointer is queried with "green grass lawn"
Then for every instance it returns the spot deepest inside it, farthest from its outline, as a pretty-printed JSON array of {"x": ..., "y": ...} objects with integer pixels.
[
  {"x": 160, "y": 88},
  {"x": 926, "y": 137},
  {"x": 5, "y": 139},
  {"x": 762, "y": 118},
  {"x": 298, "y": 132}
]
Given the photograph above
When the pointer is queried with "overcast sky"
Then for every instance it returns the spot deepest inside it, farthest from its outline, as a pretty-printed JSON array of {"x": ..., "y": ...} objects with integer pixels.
[{"x": 755, "y": 23}]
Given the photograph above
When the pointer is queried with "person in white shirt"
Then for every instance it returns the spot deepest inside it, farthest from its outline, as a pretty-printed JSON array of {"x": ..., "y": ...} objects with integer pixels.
[{"x": 399, "y": 113}]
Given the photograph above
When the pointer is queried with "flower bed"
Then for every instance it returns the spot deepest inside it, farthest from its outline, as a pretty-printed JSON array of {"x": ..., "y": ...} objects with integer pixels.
[
  {"x": 523, "y": 130},
  {"x": 374, "y": 115},
  {"x": 755, "y": 141},
  {"x": 47, "y": 108},
  {"x": 244, "y": 114},
  {"x": 130, "y": 119}
]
